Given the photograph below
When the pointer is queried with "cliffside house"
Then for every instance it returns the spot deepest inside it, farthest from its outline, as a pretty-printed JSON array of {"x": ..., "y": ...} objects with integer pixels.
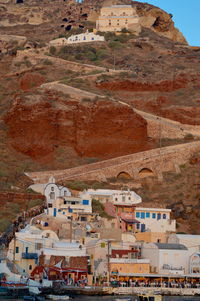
[
  {"x": 75, "y": 208},
  {"x": 51, "y": 190},
  {"x": 31, "y": 243},
  {"x": 116, "y": 17}
]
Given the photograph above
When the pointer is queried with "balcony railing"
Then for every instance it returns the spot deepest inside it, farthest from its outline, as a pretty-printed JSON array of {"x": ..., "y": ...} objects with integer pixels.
[{"x": 29, "y": 256}]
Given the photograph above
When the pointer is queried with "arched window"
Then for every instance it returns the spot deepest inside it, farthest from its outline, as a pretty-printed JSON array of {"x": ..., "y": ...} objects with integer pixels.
[{"x": 164, "y": 216}]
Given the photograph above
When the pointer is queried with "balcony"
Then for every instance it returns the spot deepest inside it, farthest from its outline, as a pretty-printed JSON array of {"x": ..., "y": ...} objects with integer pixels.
[{"x": 29, "y": 256}]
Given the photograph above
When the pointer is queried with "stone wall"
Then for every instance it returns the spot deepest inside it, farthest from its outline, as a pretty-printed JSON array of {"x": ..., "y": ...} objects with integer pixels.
[{"x": 157, "y": 161}]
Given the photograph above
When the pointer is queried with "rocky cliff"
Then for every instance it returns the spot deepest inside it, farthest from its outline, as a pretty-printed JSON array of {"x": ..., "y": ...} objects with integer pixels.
[{"x": 39, "y": 124}]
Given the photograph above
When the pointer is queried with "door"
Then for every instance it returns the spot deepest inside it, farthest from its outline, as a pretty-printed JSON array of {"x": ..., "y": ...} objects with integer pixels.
[
  {"x": 142, "y": 227},
  {"x": 54, "y": 212}
]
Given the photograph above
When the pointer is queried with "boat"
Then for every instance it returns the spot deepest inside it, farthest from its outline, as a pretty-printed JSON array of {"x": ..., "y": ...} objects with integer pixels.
[
  {"x": 126, "y": 299},
  {"x": 57, "y": 297}
]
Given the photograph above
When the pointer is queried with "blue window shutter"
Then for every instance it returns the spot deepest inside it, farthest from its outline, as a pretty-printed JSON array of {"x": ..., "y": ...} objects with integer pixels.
[
  {"x": 147, "y": 215},
  {"x": 85, "y": 202},
  {"x": 142, "y": 214},
  {"x": 138, "y": 214}
]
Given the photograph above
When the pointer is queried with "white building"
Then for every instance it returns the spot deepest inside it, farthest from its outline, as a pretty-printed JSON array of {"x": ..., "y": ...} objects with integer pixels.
[
  {"x": 85, "y": 38},
  {"x": 58, "y": 42},
  {"x": 117, "y": 17},
  {"x": 117, "y": 197},
  {"x": 51, "y": 190},
  {"x": 154, "y": 220},
  {"x": 192, "y": 242},
  {"x": 31, "y": 242},
  {"x": 167, "y": 259},
  {"x": 67, "y": 207}
]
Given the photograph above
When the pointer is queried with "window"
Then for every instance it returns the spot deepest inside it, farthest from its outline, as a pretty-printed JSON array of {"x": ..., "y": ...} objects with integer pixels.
[
  {"x": 115, "y": 199},
  {"x": 50, "y": 205},
  {"x": 126, "y": 22},
  {"x": 17, "y": 250},
  {"x": 142, "y": 214},
  {"x": 85, "y": 202},
  {"x": 63, "y": 212},
  {"x": 65, "y": 193},
  {"x": 164, "y": 216},
  {"x": 147, "y": 215},
  {"x": 26, "y": 250},
  {"x": 129, "y": 198},
  {"x": 109, "y": 23},
  {"x": 123, "y": 198},
  {"x": 158, "y": 216},
  {"x": 65, "y": 202},
  {"x": 84, "y": 38},
  {"x": 52, "y": 188},
  {"x": 30, "y": 267},
  {"x": 153, "y": 215},
  {"x": 138, "y": 226},
  {"x": 138, "y": 214}
]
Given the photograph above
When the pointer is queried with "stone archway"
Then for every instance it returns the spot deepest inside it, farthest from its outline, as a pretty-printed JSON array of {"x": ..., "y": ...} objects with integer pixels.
[
  {"x": 124, "y": 175},
  {"x": 145, "y": 172}
]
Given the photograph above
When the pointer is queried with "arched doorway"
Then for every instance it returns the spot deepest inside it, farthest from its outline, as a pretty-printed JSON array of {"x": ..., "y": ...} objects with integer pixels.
[
  {"x": 124, "y": 175},
  {"x": 145, "y": 172}
]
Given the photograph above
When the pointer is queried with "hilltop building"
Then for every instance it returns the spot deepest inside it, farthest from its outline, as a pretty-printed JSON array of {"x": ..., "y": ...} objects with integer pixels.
[
  {"x": 116, "y": 17},
  {"x": 51, "y": 190},
  {"x": 87, "y": 37}
]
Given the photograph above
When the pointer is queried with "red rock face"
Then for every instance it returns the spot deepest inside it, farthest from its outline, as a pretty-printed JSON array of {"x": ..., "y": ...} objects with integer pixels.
[
  {"x": 162, "y": 86},
  {"x": 30, "y": 80},
  {"x": 39, "y": 124}
]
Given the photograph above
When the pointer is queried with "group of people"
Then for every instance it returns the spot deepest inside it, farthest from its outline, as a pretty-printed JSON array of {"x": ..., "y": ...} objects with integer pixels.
[{"x": 152, "y": 283}]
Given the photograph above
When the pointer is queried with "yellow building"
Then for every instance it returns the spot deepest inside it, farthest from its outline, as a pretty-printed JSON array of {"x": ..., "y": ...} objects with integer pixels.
[
  {"x": 126, "y": 266},
  {"x": 116, "y": 17}
]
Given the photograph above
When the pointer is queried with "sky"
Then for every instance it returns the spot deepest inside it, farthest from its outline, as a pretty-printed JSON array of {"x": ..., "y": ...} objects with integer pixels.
[{"x": 185, "y": 15}]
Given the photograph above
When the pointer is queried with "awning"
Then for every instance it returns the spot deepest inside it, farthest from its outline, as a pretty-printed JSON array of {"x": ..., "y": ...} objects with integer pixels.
[{"x": 131, "y": 220}]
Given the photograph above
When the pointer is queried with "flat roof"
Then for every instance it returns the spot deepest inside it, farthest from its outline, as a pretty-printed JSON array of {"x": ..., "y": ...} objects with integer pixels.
[
  {"x": 170, "y": 246},
  {"x": 116, "y": 6}
]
